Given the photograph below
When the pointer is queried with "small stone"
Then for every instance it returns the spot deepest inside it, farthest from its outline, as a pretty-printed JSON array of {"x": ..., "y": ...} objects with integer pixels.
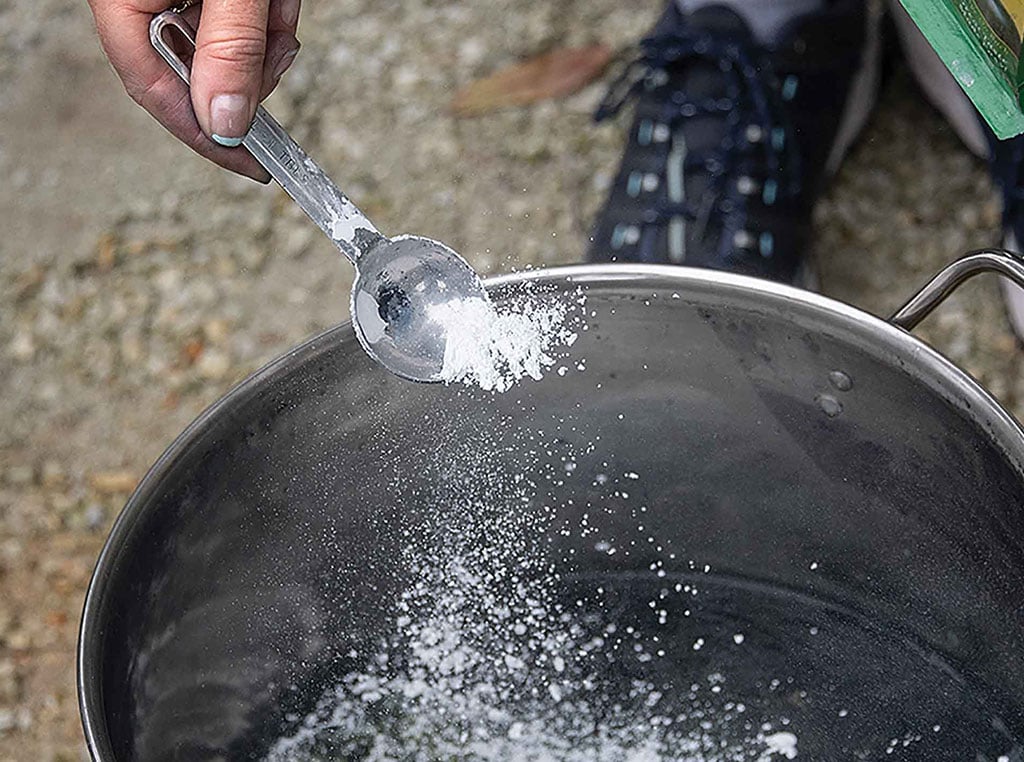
[
  {"x": 297, "y": 239},
  {"x": 10, "y": 687},
  {"x": 471, "y": 52},
  {"x": 22, "y": 347},
  {"x": 61, "y": 503},
  {"x": 213, "y": 365},
  {"x": 132, "y": 350},
  {"x": 168, "y": 281},
  {"x": 216, "y": 331},
  {"x": 94, "y": 517},
  {"x": 48, "y": 392},
  {"x": 18, "y": 640},
  {"x": 113, "y": 482},
  {"x": 52, "y": 474},
  {"x": 251, "y": 256},
  {"x": 20, "y": 476},
  {"x": 225, "y": 266},
  {"x": 27, "y": 284}
]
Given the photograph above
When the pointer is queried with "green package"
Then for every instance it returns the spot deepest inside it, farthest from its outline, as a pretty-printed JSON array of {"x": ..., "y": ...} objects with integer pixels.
[{"x": 980, "y": 43}]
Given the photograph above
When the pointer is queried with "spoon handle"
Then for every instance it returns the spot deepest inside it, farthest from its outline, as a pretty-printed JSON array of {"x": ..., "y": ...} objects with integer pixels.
[{"x": 300, "y": 176}]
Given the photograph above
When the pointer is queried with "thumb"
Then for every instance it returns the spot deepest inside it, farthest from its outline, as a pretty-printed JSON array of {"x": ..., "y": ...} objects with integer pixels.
[{"x": 227, "y": 70}]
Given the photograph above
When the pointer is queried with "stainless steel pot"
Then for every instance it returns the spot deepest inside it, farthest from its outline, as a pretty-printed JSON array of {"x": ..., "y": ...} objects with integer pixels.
[{"x": 843, "y": 507}]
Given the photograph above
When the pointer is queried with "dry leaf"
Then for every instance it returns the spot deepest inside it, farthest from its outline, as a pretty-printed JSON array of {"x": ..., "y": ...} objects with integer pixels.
[{"x": 554, "y": 74}]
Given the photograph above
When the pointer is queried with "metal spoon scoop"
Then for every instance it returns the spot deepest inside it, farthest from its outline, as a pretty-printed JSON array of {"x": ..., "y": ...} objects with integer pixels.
[{"x": 400, "y": 282}]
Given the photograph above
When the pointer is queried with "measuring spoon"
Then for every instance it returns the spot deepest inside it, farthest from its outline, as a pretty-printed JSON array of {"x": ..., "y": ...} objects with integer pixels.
[{"x": 400, "y": 282}]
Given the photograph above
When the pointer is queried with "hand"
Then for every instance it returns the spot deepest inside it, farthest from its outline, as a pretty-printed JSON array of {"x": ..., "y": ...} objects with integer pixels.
[{"x": 242, "y": 49}]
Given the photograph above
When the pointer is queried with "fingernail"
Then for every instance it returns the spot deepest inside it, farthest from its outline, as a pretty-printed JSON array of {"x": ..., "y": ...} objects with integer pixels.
[
  {"x": 285, "y": 62},
  {"x": 229, "y": 119},
  {"x": 226, "y": 142},
  {"x": 289, "y": 12}
]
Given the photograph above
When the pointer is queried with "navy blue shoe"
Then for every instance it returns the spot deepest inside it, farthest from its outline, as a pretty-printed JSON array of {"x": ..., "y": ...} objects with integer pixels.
[
  {"x": 1007, "y": 165},
  {"x": 734, "y": 134}
]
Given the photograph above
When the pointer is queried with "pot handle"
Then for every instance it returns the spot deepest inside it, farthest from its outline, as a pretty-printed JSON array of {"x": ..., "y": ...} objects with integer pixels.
[{"x": 1007, "y": 263}]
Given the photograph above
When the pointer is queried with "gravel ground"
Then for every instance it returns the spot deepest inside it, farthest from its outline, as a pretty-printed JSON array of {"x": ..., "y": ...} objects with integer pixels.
[{"x": 138, "y": 284}]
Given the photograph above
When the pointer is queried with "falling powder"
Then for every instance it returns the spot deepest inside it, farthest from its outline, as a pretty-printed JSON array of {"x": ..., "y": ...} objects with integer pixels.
[
  {"x": 493, "y": 347},
  {"x": 496, "y": 657}
]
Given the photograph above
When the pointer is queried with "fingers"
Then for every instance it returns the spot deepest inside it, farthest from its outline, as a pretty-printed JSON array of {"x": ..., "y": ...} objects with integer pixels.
[
  {"x": 124, "y": 35},
  {"x": 282, "y": 46},
  {"x": 243, "y": 48},
  {"x": 168, "y": 99},
  {"x": 227, "y": 69}
]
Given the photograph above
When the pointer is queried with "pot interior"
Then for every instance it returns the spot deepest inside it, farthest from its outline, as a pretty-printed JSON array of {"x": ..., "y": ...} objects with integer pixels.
[{"x": 740, "y": 524}]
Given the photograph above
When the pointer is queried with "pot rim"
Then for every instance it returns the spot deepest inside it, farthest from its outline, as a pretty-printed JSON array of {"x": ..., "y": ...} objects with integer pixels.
[{"x": 997, "y": 421}]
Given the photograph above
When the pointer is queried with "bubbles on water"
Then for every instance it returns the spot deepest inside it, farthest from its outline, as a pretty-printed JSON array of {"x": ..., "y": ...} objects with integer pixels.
[
  {"x": 840, "y": 380},
  {"x": 829, "y": 405}
]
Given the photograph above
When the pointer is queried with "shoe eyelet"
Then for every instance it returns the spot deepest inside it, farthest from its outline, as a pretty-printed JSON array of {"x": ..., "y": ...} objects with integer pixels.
[
  {"x": 644, "y": 131},
  {"x": 634, "y": 183},
  {"x": 789, "y": 86},
  {"x": 624, "y": 235},
  {"x": 766, "y": 244},
  {"x": 754, "y": 133},
  {"x": 746, "y": 185},
  {"x": 742, "y": 239},
  {"x": 769, "y": 192}
]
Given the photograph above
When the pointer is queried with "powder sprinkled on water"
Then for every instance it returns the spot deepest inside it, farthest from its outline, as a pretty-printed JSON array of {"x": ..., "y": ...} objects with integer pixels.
[
  {"x": 493, "y": 347},
  {"x": 495, "y": 656}
]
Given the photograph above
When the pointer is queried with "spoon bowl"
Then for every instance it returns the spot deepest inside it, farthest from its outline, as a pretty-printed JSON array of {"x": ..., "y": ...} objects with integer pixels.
[{"x": 400, "y": 285}]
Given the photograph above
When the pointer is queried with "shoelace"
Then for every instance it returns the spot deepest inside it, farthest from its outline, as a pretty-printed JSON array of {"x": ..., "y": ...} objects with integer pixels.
[{"x": 755, "y": 121}]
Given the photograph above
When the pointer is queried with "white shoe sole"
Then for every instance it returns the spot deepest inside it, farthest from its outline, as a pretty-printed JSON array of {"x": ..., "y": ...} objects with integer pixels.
[{"x": 938, "y": 85}]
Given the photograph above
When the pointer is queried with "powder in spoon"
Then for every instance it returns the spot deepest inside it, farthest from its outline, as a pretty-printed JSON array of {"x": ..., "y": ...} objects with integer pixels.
[{"x": 493, "y": 347}]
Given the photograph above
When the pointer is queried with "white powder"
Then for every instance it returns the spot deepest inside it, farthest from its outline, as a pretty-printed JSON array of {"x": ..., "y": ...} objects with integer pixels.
[
  {"x": 493, "y": 348},
  {"x": 452, "y": 684},
  {"x": 493, "y": 659},
  {"x": 782, "y": 743}
]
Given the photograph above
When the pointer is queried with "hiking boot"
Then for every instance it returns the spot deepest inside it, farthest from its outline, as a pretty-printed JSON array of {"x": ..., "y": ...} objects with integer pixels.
[{"x": 743, "y": 109}]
